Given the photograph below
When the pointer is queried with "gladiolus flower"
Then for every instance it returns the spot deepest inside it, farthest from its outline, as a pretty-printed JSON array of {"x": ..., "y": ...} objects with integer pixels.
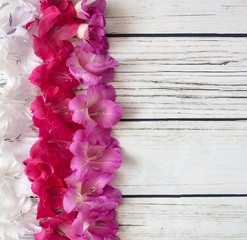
[
  {"x": 91, "y": 69},
  {"x": 96, "y": 108},
  {"x": 94, "y": 225},
  {"x": 92, "y": 35},
  {"x": 105, "y": 158}
]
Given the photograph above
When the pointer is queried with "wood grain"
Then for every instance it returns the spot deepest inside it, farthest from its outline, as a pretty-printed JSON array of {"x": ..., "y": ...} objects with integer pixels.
[
  {"x": 183, "y": 219},
  {"x": 182, "y": 157},
  {"x": 181, "y": 77},
  {"x": 176, "y": 16}
]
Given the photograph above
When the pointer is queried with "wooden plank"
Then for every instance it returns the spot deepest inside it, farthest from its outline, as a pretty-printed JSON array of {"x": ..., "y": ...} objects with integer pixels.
[
  {"x": 183, "y": 219},
  {"x": 182, "y": 157},
  {"x": 181, "y": 77},
  {"x": 176, "y": 16}
]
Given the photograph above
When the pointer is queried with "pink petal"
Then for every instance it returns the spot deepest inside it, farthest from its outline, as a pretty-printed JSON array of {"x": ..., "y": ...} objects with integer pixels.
[
  {"x": 108, "y": 76},
  {"x": 38, "y": 107},
  {"x": 100, "y": 64},
  {"x": 78, "y": 103},
  {"x": 110, "y": 160},
  {"x": 48, "y": 20},
  {"x": 100, "y": 92},
  {"x": 79, "y": 135},
  {"x": 70, "y": 201},
  {"x": 79, "y": 166},
  {"x": 106, "y": 113},
  {"x": 66, "y": 32},
  {"x": 98, "y": 135},
  {"x": 42, "y": 49},
  {"x": 94, "y": 182}
]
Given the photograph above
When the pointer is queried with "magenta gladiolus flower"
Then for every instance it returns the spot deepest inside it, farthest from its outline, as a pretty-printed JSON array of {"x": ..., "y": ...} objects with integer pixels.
[
  {"x": 96, "y": 108},
  {"x": 91, "y": 69},
  {"x": 58, "y": 228}
]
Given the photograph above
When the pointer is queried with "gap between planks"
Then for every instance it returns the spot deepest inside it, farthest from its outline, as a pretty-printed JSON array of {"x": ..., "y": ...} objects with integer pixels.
[
  {"x": 179, "y": 35},
  {"x": 187, "y": 196}
]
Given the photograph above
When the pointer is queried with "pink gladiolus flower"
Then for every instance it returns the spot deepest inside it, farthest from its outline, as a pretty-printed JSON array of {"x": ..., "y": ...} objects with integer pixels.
[
  {"x": 86, "y": 11},
  {"x": 80, "y": 198},
  {"x": 86, "y": 192},
  {"x": 91, "y": 184},
  {"x": 105, "y": 158},
  {"x": 91, "y": 69},
  {"x": 92, "y": 35},
  {"x": 96, "y": 108},
  {"x": 94, "y": 225}
]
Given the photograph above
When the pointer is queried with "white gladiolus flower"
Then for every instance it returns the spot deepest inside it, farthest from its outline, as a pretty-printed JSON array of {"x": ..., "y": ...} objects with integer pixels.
[
  {"x": 16, "y": 97},
  {"x": 13, "y": 181},
  {"x": 19, "y": 138},
  {"x": 17, "y": 210},
  {"x": 17, "y": 56},
  {"x": 16, "y": 14},
  {"x": 20, "y": 219},
  {"x": 17, "y": 134}
]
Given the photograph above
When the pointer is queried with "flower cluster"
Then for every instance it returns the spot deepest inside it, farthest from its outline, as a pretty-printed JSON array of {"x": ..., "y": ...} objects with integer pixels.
[
  {"x": 49, "y": 162},
  {"x": 71, "y": 176},
  {"x": 48, "y": 48},
  {"x": 96, "y": 152},
  {"x": 17, "y": 209}
]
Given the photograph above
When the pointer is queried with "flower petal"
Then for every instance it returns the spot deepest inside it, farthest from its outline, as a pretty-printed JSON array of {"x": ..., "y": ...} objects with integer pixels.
[{"x": 106, "y": 113}]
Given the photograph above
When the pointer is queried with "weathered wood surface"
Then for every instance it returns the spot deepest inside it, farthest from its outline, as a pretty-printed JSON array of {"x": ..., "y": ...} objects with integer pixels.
[
  {"x": 182, "y": 157},
  {"x": 176, "y": 16},
  {"x": 181, "y": 77},
  {"x": 183, "y": 219}
]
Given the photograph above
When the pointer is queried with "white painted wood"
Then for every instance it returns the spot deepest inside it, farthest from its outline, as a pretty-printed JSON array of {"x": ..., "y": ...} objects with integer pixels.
[
  {"x": 176, "y": 16},
  {"x": 177, "y": 157},
  {"x": 183, "y": 219},
  {"x": 181, "y": 77},
  {"x": 28, "y": 237}
]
